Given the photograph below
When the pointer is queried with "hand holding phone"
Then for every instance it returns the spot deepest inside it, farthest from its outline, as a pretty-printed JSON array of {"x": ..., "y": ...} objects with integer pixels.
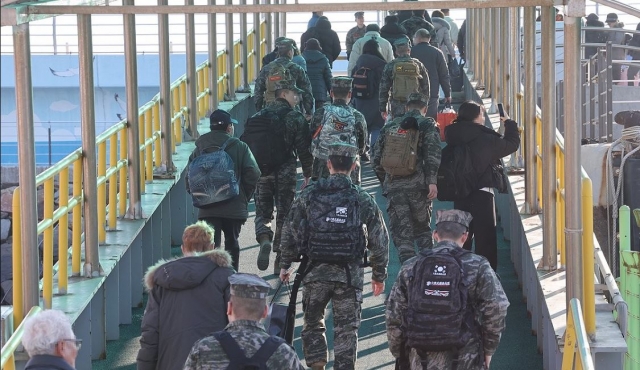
[{"x": 501, "y": 109}]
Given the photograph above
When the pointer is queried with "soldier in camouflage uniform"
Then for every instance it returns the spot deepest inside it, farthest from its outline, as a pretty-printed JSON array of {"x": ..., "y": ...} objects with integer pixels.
[
  {"x": 486, "y": 297},
  {"x": 356, "y": 32},
  {"x": 328, "y": 282},
  {"x": 341, "y": 95},
  {"x": 285, "y": 52},
  {"x": 403, "y": 49},
  {"x": 248, "y": 305},
  {"x": 417, "y": 22},
  {"x": 280, "y": 185},
  {"x": 409, "y": 197}
]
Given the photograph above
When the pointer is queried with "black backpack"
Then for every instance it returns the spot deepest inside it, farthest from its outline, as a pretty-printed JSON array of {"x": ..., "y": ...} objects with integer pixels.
[
  {"x": 363, "y": 86},
  {"x": 265, "y": 133},
  {"x": 456, "y": 175},
  {"x": 237, "y": 358},
  {"x": 333, "y": 230},
  {"x": 438, "y": 316},
  {"x": 212, "y": 177}
]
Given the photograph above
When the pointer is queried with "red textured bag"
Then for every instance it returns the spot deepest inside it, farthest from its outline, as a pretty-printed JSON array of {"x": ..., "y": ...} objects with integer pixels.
[{"x": 445, "y": 118}]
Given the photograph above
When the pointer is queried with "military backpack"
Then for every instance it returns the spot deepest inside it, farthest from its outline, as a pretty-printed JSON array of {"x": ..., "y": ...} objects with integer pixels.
[
  {"x": 457, "y": 177},
  {"x": 400, "y": 152},
  {"x": 265, "y": 134},
  {"x": 363, "y": 84},
  {"x": 338, "y": 125},
  {"x": 406, "y": 79},
  {"x": 277, "y": 72},
  {"x": 239, "y": 361}
]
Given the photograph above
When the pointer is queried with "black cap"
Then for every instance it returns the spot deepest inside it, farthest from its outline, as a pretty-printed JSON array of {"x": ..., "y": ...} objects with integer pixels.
[
  {"x": 221, "y": 117},
  {"x": 611, "y": 18}
]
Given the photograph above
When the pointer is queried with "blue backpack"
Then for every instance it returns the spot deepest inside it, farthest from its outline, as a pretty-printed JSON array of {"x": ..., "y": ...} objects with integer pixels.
[{"x": 212, "y": 177}]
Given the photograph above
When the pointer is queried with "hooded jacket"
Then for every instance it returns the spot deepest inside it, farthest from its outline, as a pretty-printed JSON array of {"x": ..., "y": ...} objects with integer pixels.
[
  {"x": 391, "y": 32},
  {"x": 319, "y": 72},
  {"x": 593, "y": 36},
  {"x": 487, "y": 146},
  {"x": 187, "y": 301},
  {"x": 328, "y": 39},
  {"x": 369, "y": 107},
  {"x": 385, "y": 48},
  {"x": 443, "y": 36},
  {"x": 617, "y": 38}
]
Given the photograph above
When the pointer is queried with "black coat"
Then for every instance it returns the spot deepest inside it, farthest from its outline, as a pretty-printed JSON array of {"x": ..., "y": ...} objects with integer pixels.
[
  {"x": 47, "y": 362},
  {"x": 328, "y": 39},
  {"x": 319, "y": 72},
  {"x": 487, "y": 146},
  {"x": 462, "y": 34},
  {"x": 391, "y": 32},
  {"x": 593, "y": 37},
  {"x": 187, "y": 301},
  {"x": 369, "y": 107}
]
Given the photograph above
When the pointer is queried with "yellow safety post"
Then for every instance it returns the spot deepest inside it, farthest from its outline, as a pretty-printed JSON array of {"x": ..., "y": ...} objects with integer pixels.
[
  {"x": 589, "y": 308},
  {"x": 47, "y": 247},
  {"x": 205, "y": 102},
  {"x": 113, "y": 181},
  {"x": 201, "y": 88},
  {"x": 576, "y": 336},
  {"x": 122, "y": 198},
  {"x": 76, "y": 229},
  {"x": 148, "y": 125},
  {"x": 63, "y": 231},
  {"x": 102, "y": 192},
  {"x": 183, "y": 104},
  {"x": 157, "y": 147},
  {"x": 16, "y": 259},
  {"x": 141, "y": 138}
]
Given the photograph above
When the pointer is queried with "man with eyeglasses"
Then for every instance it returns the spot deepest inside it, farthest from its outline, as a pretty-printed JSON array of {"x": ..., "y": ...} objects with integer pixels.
[{"x": 50, "y": 342}]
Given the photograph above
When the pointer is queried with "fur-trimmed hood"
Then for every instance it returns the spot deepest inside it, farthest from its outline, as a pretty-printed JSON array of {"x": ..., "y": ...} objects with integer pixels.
[{"x": 185, "y": 272}]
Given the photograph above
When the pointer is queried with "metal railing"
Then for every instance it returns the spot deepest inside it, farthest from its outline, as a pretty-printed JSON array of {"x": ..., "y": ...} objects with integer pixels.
[
  {"x": 630, "y": 287},
  {"x": 576, "y": 338},
  {"x": 8, "y": 360},
  {"x": 112, "y": 176}
]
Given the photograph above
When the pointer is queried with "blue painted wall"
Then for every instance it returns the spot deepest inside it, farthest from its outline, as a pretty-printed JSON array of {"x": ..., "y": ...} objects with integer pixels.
[{"x": 56, "y": 99}]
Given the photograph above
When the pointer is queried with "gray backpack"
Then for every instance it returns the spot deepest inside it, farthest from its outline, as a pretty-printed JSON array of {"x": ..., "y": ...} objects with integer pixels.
[{"x": 338, "y": 125}]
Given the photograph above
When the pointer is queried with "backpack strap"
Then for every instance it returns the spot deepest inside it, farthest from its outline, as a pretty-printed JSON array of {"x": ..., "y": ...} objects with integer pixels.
[
  {"x": 237, "y": 358},
  {"x": 268, "y": 348},
  {"x": 224, "y": 146}
]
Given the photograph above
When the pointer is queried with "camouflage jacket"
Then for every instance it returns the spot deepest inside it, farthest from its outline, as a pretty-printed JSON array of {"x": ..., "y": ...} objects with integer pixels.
[
  {"x": 429, "y": 150},
  {"x": 370, "y": 216},
  {"x": 207, "y": 354},
  {"x": 487, "y": 298},
  {"x": 415, "y": 23},
  {"x": 387, "y": 80},
  {"x": 297, "y": 131},
  {"x": 298, "y": 74},
  {"x": 354, "y": 34},
  {"x": 361, "y": 123}
]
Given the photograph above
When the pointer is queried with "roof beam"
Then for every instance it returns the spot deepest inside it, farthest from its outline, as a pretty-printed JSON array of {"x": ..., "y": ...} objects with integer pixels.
[{"x": 628, "y": 9}]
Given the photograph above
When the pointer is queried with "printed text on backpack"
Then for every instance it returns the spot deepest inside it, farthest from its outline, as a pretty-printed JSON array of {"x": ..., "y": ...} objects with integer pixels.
[
  {"x": 406, "y": 80},
  {"x": 338, "y": 125},
  {"x": 212, "y": 177}
]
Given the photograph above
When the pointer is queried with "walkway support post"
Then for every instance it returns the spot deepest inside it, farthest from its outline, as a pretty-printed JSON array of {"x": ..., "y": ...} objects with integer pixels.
[
  {"x": 487, "y": 54},
  {"x": 548, "y": 148},
  {"x": 131, "y": 81},
  {"x": 26, "y": 168},
  {"x": 496, "y": 63},
  {"x": 213, "y": 58},
  {"x": 505, "y": 45},
  {"x": 276, "y": 22},
  {"x": 514, "y": 56},
  {"x": 469, "y": 46},
  {"x": 480, "y": 51},
  {"x": 244, "y": 85},
  {"x": 230, "y": 55},
  {"x": 257, "y": 37},
  {"x": 89, "y": 176},
  {"x": 270, "y": 27},
  {"x": 529, "y": 122},
  {"x": 575, "y": 10},
  {"x": 192, "y": 77},
  {"x": 167, "y": 166}
]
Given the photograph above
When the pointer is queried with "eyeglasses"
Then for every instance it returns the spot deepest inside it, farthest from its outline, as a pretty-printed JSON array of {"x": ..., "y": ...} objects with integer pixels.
[{"x": 77, "y": 342}]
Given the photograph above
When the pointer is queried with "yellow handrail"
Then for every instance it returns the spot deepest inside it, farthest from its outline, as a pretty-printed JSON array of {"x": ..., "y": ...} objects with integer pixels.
[
  {"x": 576, "y": 336},
  {"x": 8, "y": 361}
]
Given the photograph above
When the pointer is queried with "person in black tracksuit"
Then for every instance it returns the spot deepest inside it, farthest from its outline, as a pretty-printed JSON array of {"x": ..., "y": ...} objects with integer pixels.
[{"x": 487, "y": 147}]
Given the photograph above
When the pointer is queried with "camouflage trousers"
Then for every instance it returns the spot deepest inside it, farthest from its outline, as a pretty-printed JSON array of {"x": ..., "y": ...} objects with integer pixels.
[
  {"x": 279, "y": 188},
  {"x": 347, "y": 306},
  {"x": 398, "y": 108},
  {"x": 320, "y": 170},
  {"x": 409, "y": 221}
]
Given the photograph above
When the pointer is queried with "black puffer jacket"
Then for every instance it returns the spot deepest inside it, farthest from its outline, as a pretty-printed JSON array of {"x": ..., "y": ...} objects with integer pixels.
[
  {"x": 187, "y": 301},
  {"x": 391, "y": 32},
  {"x": 369, "y": 107},
  {"x": 593, "y": 37},
  {"x": 328, "y": 39},
  {"x": 319, "y": 72},
  {"x": 487, "y": 146},
  {"x": 47, "y": 362}
]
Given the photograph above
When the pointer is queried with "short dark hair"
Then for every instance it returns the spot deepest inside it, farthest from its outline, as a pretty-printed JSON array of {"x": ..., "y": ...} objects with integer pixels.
[
  {"x": 391, "y": 19},
  {"x": 341, "y": 163},
  {"x": 437, "y": 14},
  {"x": 340, "y": 93},
  {"x": 450, "y": 230},
  {"x": 280, "y": 92},
  {"x": 415, "y": 105},
  {"x": 219, "y": 127},
  {"x": 468, "y": 111},
  {"x": 372, "y": 27},
  {"x": 418, "y": 12},
  {"x": 248, "y": 308}
]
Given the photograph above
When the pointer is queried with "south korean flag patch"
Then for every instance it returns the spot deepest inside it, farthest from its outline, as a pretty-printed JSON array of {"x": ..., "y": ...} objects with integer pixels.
[{"x": 341, "y": 212}]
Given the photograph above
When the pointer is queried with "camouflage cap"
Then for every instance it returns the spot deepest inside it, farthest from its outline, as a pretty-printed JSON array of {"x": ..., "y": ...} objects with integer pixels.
[
  {"x": 359, "y": 15},
  {"x": 341, "y": 83},
  {"x": 284, "y": 45},
  {"x": 249, "y": 286},
  {"x": 281, "y": 38},
  {"x": 287, "y": 85},
  {"x": 417, "y": 97},
  {"x": 402, "y": 41},
  {"x": 453, "y": 215},
  {"x": 343, "y": 149}
]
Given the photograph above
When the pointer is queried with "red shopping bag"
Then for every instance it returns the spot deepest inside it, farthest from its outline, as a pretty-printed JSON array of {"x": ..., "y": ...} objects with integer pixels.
[{"x": 445, "y": 118}]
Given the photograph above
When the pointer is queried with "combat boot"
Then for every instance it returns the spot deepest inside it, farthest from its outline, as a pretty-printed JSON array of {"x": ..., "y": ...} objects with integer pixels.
[{"x": 265, "y": 250}]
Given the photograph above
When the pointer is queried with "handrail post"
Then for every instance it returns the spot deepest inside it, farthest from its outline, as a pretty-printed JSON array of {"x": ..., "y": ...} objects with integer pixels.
[
  {"x": 167, "y": 166},
  {"x": 89, "y": 174},
  {"x": 488, "y": 54},
  {"x": 275, "y": 30},
  {"x": 231, "y": 73},
  {"x": 257, "y": 37},
  {"x": 480, "y": 52},
  {"x": 548, "y": 57},
  {"x": 244, "y": 84},
  {"x": 192, "y": 78},
  {"x": 27, "y": 167},
  {"x": 213, "y": 58},
  {"x": 505, "y": 44},
  {"x": 589, "y": 307},
  {"x": 269, "y": 34},
  {"x": 496, "y": 66},
  {"x": 515, "y": 111},
  {"x": 624, "y": 220},
  {"x": 574, "y": 223}
]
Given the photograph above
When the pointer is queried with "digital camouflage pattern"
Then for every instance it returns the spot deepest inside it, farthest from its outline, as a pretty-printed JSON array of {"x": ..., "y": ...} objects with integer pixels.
[
  {"x": 207, "y": 353},
  {"x": 454, "y": 215},
  {"x": 485, "y": 295},
  {"x": 282, "y": 191},
  {"x": 329, "y": 281},
  {"x": 297, "y": 73},
  {"x": 248, "y": 286},
  {"x": 353, "y": 35},
  {"x": 320, "y": 169},
  {"x": 397, "y": 106},
  {"x": 415, "y": 23}
]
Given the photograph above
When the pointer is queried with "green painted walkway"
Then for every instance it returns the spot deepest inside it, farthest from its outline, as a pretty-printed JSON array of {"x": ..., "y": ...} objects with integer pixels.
[{"x": 517, "y": 350}]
